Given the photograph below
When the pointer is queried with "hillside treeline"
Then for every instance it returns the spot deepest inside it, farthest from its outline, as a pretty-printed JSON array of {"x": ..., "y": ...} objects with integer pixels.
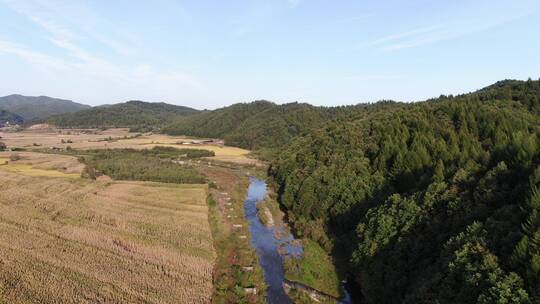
[
  {"x": 8, "y": 118},
  {"x": 431, "y": 202},
  {"x": 138, "y": 115},
  {"x": 260, "y": 125},
  {"x": 32, "y": 109}
]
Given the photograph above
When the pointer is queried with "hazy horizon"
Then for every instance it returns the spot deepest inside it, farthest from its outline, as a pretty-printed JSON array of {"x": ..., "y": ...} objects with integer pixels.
[
  {"x": 207, "y": 55},
  {"x": 261, "y": 99}
]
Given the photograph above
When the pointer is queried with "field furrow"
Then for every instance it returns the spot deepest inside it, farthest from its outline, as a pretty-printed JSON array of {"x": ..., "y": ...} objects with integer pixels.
[{"x": 66, "y": 240}]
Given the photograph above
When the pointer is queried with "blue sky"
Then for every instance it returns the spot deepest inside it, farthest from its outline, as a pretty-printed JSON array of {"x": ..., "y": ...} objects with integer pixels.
[{"x": 208, "y": 54}]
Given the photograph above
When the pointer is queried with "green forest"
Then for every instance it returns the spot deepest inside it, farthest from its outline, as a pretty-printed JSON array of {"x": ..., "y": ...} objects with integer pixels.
[
  {"x": 138, "y": 115},
  {"x": 10, "y": 118},
  {"x": 436, "y": 201},
  {"x": 160, "y": 164},
  {"x": 260, "y": 125}
]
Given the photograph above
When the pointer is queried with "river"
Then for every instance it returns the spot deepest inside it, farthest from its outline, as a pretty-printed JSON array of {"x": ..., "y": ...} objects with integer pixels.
[{"x": 265, "y": 242}]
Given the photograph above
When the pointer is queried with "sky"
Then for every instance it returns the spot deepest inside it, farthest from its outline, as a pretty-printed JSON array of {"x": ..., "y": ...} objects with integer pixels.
[{"x": 210, "y": 54}]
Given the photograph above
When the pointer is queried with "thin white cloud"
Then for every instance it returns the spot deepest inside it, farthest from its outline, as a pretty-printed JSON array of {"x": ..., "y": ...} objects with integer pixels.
[
  {"x": 51, "y": 27},
  {"x": 50, "y": 16},
  {"x": 83, "y": 63},
  {"x": 400, "y": 36},
  {"x": 420, "y": 41},
  {"x": 374, "y": 77},
  {"x": 294, "y": 3},
  {"x": 117, "y": 46},
  {"x": 143, "y": 75},
  {"x": 439, "y": 32},
  {"x": 8, "y": 47},
  {"x": 361, "y": 17}
]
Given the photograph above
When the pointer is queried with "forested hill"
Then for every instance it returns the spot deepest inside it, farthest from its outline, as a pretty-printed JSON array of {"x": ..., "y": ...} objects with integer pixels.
[
  {"x": 217, "y": 123},
  {"x": 138, "y": 115},
  {"x": 11, "y": 118},
  {"x": 431, "y": 202},
  {"x": 35, "y": 108},
  {"x": 256, "y": 125}
]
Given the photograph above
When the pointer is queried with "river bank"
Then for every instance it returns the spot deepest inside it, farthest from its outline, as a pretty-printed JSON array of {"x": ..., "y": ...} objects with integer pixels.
[
  {"x": 259, "y": 260},
  {"x": 266, "y": 244},
  {"x": 296, "y": 271},
  {"x": 238, "y": 277}
]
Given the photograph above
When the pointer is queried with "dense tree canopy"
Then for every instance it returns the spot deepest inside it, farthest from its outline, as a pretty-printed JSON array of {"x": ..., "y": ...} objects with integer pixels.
[
  {"x": 257, "y": 125},
  {"x": 10, "y": 118},
  {"x": 433, "y": 202},
  {"x": 137, "y": 115},
  {"x": 160, "y": 164}
]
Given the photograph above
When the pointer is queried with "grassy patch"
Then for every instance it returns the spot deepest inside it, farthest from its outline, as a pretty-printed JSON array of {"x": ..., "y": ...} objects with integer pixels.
[
  {"x": 314, "y": 269},
  {"x": 301, "y": 297},
  {"x": 233, "y": 253},
  {"x": 147, "y": 165},
  {"x": 177, "y": 153}
]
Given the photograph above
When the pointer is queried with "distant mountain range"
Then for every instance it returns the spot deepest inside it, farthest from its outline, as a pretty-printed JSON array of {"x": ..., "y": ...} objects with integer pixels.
[
  {"x": 137, "y": 115},
  {"x": 37, "y": 108}
]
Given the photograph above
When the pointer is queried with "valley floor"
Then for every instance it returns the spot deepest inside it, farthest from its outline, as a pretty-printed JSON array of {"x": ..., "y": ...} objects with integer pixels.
[{"x": 119, "y": 138}]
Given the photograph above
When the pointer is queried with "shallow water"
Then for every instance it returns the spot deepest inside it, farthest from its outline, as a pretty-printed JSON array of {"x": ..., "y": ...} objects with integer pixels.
[{"x": 267, "y": 245}]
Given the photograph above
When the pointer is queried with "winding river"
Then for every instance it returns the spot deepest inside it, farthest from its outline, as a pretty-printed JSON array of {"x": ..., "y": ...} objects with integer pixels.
[{"x": 265, "y": 242}]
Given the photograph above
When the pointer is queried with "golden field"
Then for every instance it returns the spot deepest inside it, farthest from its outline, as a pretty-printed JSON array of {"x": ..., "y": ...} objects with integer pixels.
[
  {"x": 39, "y": 164},
  {"x": 64, "y": 239},
  {"x": 118, "y": 138}
]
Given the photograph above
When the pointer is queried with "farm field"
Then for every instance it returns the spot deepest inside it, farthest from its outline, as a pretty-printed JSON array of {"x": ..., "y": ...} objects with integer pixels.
[
  {"x": 39, "y": 164},
  {"x": 64, "y": 239},
  {"x": 222, "y": 153},
  {"x": 115, "y": 139}
]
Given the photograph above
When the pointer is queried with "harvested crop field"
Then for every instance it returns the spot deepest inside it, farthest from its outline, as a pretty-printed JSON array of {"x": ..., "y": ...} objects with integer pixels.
[
  {"x": 225, "y": 154},
  {"x": 116, "y": 139},
  {"x": 40, "y": 164},
  {"x": 71, "y": 240}
]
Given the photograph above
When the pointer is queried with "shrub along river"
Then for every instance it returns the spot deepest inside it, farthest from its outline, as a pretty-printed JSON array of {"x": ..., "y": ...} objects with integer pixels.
[{"x": 267, "y": 244}]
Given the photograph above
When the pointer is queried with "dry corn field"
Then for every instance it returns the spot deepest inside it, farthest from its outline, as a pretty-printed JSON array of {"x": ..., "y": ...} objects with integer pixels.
[
  {"x": 68, "y": 240},
  {"x": 121, "y": 138},
  {"x": 40, "y": 164}
]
